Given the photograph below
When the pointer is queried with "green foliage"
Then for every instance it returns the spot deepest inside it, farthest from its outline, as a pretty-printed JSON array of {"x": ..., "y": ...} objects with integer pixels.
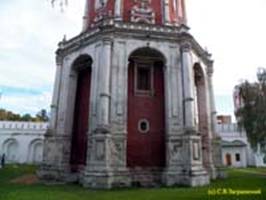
[
  {"x": 246, "y": 179},
  {"x": 42, "y": 115},
  {"x": 252, "y": 115},
  {"x": 6, "y": 115}
]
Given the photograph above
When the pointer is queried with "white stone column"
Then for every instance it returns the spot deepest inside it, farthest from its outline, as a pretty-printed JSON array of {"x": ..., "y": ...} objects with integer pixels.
[
  {"x": 188, "y": 92},
  {"x": 166, "y": 12},
  {"x": 118, "y": 9},
  {"x": 216, "y": 146},
  {"x": 86, "y": 17},
  {"x": 56, "y": 92},
  {"x": 212, "y": 98},
  {"x": 104, "y": 83}
]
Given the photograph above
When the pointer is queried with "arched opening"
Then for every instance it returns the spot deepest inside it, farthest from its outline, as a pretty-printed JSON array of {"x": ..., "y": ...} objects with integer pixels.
[
  {"x": 35, "y": 151},
  {"x": 146, "y": 112},
  {"x": 82, "y": 68},
  {"x": 11, "y": 150},
  {"x": 201, "y": 111}
]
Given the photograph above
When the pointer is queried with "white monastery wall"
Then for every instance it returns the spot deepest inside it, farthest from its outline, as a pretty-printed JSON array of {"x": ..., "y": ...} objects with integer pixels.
[{"x": 22, "y": 142}]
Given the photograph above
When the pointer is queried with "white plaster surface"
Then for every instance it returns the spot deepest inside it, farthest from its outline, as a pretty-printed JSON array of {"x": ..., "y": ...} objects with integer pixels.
[{"x": 22, "y": 142}]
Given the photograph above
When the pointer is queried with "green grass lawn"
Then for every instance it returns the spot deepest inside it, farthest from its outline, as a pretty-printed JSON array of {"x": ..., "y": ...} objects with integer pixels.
[{"x": 243, "y": 179}]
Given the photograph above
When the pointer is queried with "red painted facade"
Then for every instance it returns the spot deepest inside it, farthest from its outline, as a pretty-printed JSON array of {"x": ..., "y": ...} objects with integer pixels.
[
  {"x": 155, "y": 6},
  {"x": 146, "y": 149},
  {"x": 96, "y": 10},
  {"x": 81, "y": 124}
]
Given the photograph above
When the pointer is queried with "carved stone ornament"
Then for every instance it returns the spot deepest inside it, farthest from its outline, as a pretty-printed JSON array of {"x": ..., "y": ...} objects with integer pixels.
[
  {"x": 175, "y": 150},
  {"x": 99, "y": 150},
  {"x": 185, "y": 46},
  {"x": 196, "y": 152},
  {"x": 117, "y": 152},
  {"x": 101, "y": 10},
  {"x": 142, "y": 12}
]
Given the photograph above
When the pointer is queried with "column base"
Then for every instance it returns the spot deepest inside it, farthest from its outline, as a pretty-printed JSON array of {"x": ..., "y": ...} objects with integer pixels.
[
  {"x": 105, "y": 179},
  {"x": 192, "y": 179},
  {"x": 56, "y": 174},
  {"x": 146, "y": 176}
]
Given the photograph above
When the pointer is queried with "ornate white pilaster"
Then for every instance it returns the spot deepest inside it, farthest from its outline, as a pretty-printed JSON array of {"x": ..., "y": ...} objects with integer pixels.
[
  {"x": 56, "y": 92},
  {"x": 105, "y": 72},
  {"x": 215, "y": 139},
  {"x": 166, "y": 12},
  {"x": 86, "y": 17},
  {"x": 187, "y": 70},
  {"x": 212, "y": 98},
  {"x": 118, "y": 9}
]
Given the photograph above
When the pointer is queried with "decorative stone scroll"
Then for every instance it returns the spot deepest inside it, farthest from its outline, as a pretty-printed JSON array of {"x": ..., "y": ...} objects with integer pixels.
[
  {"x": 175, "y": 150},
  {"x": 142, "y": 12},
  {"x": 116, "y": 153}
]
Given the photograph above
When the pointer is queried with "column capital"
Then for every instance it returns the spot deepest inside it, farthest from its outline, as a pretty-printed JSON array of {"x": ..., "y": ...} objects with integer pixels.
[
  {"x": 107, "y": 41},
  {"x": 210, "y": 70},
  {"x": 59, "y": 59},
  {"x": 185, "y": 46}
]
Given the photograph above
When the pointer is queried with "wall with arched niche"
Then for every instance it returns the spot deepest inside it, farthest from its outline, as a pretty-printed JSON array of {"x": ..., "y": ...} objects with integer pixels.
[
  {"x": 22, "y": 142},
  {"x": 10, "y": 149},
  {"x": 35, "y": 154}
]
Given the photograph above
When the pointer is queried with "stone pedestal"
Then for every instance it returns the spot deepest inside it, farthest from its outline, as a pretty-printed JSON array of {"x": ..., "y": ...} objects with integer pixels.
[
  {"x": 105, "y": 165},
  {"x": 185, "y": 163}
]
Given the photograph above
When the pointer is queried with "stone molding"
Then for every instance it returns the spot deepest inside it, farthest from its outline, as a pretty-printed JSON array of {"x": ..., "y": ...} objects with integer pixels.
[
  {"x": 155, "y": 32},
  {"x": 9, "y": 125}
]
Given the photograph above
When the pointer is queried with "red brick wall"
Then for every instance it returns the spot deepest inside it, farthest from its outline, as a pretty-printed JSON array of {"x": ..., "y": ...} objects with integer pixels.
[
  {"x": 108, "y": 10},
  {"x": 156, "y": 6},
  {"x": 146, "y": 149}
]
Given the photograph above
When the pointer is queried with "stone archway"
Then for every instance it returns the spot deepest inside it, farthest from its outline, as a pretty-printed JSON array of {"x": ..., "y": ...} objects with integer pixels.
[
  {"x": 146, "y": 109},
  {"x": 10, "y": 147},
  {"x": 82, "y": 69}
]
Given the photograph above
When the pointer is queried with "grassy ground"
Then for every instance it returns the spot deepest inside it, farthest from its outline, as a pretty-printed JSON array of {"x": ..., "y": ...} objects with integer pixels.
[{"x": 242, "y": 179}]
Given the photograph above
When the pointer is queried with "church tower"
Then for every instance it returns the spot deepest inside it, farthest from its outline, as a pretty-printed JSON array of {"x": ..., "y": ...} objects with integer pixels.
[{"x": 133, "y": 101}]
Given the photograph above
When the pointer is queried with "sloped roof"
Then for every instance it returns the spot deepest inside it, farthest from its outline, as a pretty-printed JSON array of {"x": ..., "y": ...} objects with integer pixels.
[{"x": 235, "y": 143}]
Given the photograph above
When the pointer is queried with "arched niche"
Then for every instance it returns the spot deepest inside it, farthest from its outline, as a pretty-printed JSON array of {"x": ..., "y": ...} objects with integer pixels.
[
  {"x": 35, "y": 153},
  {"x": 11, "y": 150},
  {"x": 81, "y": 79},
  {"x": 146, "y": 109}
]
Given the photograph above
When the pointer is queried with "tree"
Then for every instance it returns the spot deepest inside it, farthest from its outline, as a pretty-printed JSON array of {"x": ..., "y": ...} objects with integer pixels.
[
  {"x": 42, "y": 115},
  {"x": 27, "y": 117},
  {"x": 252, "y": 114},
  {"x": 8, "y": 115}
]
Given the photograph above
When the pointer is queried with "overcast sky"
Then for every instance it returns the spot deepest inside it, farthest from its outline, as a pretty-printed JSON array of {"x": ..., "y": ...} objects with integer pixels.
[{"x": 233, "y": 31}]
